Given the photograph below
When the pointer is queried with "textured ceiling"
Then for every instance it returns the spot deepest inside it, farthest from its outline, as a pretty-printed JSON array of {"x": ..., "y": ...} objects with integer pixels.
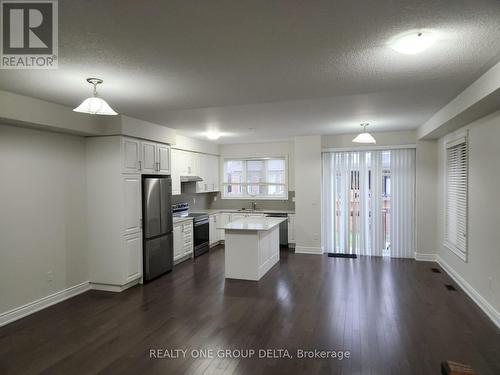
[{"x": 315, "y": 67}]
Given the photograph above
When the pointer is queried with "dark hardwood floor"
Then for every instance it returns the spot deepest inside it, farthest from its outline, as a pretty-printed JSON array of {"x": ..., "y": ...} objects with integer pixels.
[{"x": 393, "y": 316}]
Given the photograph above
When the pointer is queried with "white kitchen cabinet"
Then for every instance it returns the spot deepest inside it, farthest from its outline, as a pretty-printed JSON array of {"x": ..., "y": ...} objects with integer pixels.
[
  {"x": 163, "y": 158},
  {"x": 132, "y": 257},
  {"x": 155, "y": 158},
  {"x": 214, "y": 236},
  {"x": 132, "y": 205},
  {"x": 131, "y": 155},
  {"x": 187, "y": 230},
  {"x": 178, "y": 241},
  {"x": 212, "y": 173},
  {"x": 114, "y": 212},
  {"x": 291, "y": 228},
  {"x": 183, "y": 240},
  {"x": 148, "y": 157},
  {"x": 202, "y": 171},
  {"x": 176, "y": 171}
]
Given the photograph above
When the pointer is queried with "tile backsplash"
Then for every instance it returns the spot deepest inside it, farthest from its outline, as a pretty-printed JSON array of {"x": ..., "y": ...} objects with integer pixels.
[
  {"x": 266, "y": 204},
  {"x": 203, "y": 201}
]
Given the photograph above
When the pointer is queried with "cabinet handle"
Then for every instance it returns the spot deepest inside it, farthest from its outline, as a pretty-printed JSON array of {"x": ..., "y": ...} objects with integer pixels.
[
  {"x": 140, "y": 165},
  {"x": 158, "y": 166}
]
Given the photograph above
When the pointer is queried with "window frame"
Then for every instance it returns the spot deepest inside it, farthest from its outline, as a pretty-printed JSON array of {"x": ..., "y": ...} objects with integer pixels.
[
  {"x": 451, "y": 142},
  {"x": 247, "y": 196}
]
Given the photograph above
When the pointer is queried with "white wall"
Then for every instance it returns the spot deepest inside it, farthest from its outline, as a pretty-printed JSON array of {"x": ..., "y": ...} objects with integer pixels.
[
  {"x": 264, "y": 150},
  {"x": 42, "y": 214},
  {"x": 426, "y": 198},
  {"x": 482, "y": 269},
  {"x": 308, "y": 194}
]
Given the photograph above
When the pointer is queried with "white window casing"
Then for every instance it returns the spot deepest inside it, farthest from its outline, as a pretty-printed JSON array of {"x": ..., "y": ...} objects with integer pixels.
[
  {"x": 456, "y": 196},
  {"x": 255, "y": 178}
]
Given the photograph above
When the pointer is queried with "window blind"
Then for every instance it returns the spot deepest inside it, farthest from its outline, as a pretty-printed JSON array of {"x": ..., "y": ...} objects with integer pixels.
[
  {"x": 255, "y": 178},
  {"x": 456, "y": 196}
]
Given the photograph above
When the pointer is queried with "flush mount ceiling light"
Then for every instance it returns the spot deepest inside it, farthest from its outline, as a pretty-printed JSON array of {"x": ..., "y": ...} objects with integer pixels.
[
  {"x": 95, "y": 105},
  {"x": 413, "y": 42},
  {"x": 213, "y": 135},
  {"x": 364, "y": 137}
]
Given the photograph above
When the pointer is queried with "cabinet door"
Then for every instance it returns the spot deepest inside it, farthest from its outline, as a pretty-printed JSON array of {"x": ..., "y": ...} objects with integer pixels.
[
  {"x": 200, "y": 169},
  {"x": 164, "y": 161},
  {"x": 291, "y": 228},
  {"x": 132, "y": 205},
  {"x": 190, "y": 163},
  {"x": 148, "y": 157},
  {"x": 132, "y": 257},
  {"x": 176, "y": 168},
  {"x": 187, "y": 231},
  {"x": 213, "y": 169},
  {"x": 216, "y": 174},
  {"x": 178, "y": 242},
  {"x": 131, "y": 155},
  {"x": 212, "y": 221}
]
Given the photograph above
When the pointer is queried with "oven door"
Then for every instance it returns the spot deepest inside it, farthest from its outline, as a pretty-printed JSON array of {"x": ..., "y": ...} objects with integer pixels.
[{"x": 201, "y": 236}]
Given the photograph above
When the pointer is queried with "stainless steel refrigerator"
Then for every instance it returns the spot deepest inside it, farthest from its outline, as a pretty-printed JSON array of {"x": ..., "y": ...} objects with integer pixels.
[{"x": 158, "y": 241}]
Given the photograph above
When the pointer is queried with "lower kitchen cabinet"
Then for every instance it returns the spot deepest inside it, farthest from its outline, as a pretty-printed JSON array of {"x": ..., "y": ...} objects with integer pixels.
[
  {"x": 183, "y": 240},
  {"x": 133, "y": 256},
  {"x": 291, "y": 228},
  {"x": 214, "y": 233}
]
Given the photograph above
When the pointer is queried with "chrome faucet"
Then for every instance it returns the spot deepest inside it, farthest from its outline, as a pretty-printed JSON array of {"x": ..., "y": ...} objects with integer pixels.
[{"x": 254, "y": 206}]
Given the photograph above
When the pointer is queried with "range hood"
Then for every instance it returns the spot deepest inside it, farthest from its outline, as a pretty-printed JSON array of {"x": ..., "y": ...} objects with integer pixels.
[{"x": 191, "y": 178}]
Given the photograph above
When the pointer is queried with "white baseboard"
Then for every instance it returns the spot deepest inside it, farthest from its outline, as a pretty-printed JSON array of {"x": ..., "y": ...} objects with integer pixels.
[
  {"x": 484, "y": 305},
  {"x": 113, "y": 288},
  {"x": 425, "y": 257},
  {"x": 42, "y": 303},
  {"x": 308, "y": 250}
]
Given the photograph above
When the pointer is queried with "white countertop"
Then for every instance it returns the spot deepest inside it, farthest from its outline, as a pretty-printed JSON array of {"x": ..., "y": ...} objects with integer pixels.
[
  {"x": 254, "y": 223},
  {"x": 214, "y": 211}
]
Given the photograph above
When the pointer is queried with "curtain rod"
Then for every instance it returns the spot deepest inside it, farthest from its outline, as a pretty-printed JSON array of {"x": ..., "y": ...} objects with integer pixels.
[{"x": 369, "y": 148}]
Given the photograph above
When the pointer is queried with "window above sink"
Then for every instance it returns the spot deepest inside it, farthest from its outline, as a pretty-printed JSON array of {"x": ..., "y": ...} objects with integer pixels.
[{"x": 255, "y": 178}]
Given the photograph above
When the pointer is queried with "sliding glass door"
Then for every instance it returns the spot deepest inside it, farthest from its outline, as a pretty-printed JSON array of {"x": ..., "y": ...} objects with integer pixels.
[{"x": 358, "y": 202}]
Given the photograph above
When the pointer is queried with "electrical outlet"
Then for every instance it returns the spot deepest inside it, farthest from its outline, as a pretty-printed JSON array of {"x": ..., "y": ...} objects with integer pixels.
[
  {"x": 194, "y": 201},
  {"x": 50, "y": 276},
  {"x": 315, "y": 236},
  {"x": 293, "y": 199},
  {"x": 215, "y": 199}
]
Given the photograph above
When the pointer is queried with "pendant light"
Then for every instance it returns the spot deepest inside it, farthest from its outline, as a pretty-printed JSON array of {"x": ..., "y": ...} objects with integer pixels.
[
  {"x": 95, "y": 105},
  {"x": 364, "y": 137}
]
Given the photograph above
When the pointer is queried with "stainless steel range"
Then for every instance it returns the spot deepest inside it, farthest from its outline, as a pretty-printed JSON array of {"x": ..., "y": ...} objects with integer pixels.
[{"x": 201, "y": 228}]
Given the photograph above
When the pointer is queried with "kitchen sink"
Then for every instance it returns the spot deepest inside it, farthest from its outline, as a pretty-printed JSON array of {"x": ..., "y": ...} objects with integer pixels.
[{"x": 250, "y": 210}]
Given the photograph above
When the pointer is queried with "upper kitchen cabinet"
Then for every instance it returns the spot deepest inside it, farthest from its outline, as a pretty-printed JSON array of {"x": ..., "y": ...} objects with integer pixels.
[
  {"x": 176, "y": 171},
  {"x": 209, "y": 172},
  {"x": 187, "y": 163},
  {"x": 155, "y": 158},
  {"x": 163, "y": 158},
  {"x": 148, "y": 157},
  {"x": 131, "y": 155}
]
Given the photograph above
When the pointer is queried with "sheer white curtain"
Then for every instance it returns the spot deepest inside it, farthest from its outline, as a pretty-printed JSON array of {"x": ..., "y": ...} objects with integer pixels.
[
  {"x": 364, "y": 211},
  {"x": 403, "y": 204}
]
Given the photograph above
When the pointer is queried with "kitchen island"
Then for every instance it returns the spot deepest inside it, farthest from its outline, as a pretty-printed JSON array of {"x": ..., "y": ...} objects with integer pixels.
[{"x": 252, "y": 247}]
